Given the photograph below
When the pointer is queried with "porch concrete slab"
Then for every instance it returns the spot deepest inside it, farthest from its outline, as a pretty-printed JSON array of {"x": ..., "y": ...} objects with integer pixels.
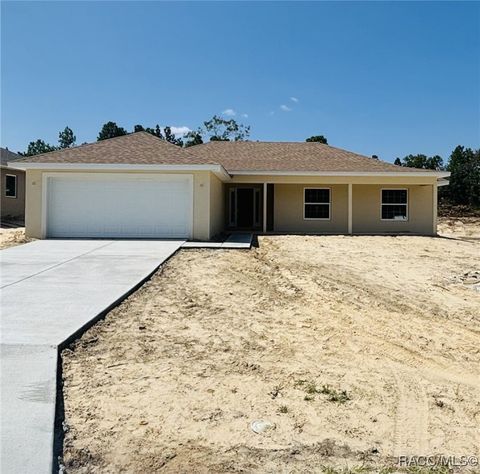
[
  {"x": 234, "y": 241},
  {"x": 52, "y": 289},
  {"x": 238, "y": 241},
  {"x": 202, "y": 245}
]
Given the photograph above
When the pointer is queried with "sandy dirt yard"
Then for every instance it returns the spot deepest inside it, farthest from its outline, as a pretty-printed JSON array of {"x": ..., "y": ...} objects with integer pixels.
[
  {"x": 13, "y": 237},
  {"x": 354, "y": 349}
]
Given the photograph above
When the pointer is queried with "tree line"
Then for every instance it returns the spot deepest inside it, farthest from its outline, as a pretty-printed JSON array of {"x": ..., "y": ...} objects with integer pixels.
[
  {"x": 464, "y": 182},
  {"x": 215, "y": 129}
]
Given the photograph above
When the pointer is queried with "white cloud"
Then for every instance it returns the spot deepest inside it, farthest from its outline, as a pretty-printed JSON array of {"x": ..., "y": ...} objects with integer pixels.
[
  {"x": 245, "y": 115},
  {"x": 285, "y": 108},
  {"x": 294, "y": 99},
  {"x": 229, "y": 112},
  {"x": 180, "y": 130}
]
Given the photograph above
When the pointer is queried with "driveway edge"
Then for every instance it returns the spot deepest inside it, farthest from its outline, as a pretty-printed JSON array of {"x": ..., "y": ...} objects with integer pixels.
[{"x": 58, "y": 430}]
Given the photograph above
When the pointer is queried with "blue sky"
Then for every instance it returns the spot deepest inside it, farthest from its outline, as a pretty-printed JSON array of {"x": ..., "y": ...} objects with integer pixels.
[{"x": 374, "y": 77}]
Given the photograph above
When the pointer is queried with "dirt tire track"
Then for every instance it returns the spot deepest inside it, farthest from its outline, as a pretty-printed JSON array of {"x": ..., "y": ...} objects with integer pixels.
[{"x": 411, "y": 416}]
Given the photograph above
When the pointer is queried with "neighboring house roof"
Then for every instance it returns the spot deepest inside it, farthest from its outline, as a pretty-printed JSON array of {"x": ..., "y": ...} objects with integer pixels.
[
  {"x": 142, "y": 148},
  {"x": 7, "y": 155},
  {"x": 135, "y": 148},
  {"x": 290, "y": 156}
]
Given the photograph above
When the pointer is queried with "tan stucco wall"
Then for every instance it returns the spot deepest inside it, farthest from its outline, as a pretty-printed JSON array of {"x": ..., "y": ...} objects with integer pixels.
[
  {"x": 210, "y": 212},
  {"x": 201, "y": 200},
  {"x": 367, "y": 217},
  {"x": 288, "y": 210},
  {"x": 13, "y": 207},
  {"x": 217, "y": 206}
]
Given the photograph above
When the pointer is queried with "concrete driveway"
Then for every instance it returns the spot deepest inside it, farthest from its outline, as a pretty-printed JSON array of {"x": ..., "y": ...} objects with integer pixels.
[{"x": 50, "y": 290}]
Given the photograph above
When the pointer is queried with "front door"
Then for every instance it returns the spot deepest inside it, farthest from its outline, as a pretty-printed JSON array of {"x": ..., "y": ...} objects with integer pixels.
[{"x": 244, "y": 207}]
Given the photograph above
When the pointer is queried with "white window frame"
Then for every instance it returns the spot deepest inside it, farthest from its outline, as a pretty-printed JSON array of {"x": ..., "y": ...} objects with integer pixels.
[
  {"x": 406, "y": 204},
  {"x": 16, "y": 183},
  {"x": 323, "y": 203}
]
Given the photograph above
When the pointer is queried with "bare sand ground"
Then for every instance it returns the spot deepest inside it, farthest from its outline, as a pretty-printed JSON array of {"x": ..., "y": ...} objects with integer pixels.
[
  {"x": 13, "y": 237},
  {"x": 357, "y": 349}
]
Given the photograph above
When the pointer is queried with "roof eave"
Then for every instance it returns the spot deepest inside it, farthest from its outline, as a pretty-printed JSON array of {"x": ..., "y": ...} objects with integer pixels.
[
  {"x": 419, "y": 173},
  {"x": 216, "y": 169}
]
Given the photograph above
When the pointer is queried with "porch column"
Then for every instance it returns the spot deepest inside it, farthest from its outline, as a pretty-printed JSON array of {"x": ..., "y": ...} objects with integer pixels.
[
  {"x": 264, "y": 208},
  {"x": 350, "y": 211}
]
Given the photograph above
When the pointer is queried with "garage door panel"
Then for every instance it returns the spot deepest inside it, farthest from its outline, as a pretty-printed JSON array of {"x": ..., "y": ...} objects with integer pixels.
[{"x": 116, "y": 206}]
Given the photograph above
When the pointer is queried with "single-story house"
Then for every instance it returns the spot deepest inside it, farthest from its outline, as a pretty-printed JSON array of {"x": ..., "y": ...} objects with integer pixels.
[
  {"x": 138, "y": 186},
  {"x": 12, "y": 186}
]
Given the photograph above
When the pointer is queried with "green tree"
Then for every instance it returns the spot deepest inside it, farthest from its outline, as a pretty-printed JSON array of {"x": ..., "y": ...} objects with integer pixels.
[
  {"x": 397, "y": 162},
  {"x": 317, "y": 138},
  {"x": 110, "y": 130},
  {"x": 421, "y": 161},
  {"x": 193, "y": 138},
  {"x": 219, "y": 129},
  {"x": 166, "y": 134},
  {"x": 464, "y": 183},
  {"x": 66, "y": 138},
  {"x": 37, "y": 147},
  {"x": 170, "y": 137}
]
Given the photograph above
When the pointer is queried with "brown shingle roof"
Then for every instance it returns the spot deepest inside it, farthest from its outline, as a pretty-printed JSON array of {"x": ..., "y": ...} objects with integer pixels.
[
  {"x": 7, "y": 155},
  {"x": 144, "y": 148},
  {"x": 135, "y": 148},
  {"x": 290, "y": 156}
]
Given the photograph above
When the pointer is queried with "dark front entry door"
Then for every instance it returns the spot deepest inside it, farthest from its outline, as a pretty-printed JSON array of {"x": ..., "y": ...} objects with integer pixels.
[{"x": 244, "y": 207}]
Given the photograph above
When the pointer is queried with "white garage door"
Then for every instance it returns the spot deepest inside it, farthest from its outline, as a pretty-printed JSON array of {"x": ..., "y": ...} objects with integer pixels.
[{"x": 119, "y": 205}]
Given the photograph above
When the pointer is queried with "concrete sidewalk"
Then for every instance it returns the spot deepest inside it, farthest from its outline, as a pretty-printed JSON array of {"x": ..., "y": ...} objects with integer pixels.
[{"x": 50, "y": 290}]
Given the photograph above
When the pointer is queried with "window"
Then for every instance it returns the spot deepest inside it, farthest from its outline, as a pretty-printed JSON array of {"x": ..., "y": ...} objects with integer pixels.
[
  {"x": 394, "y": 204},
  {"x": 316, "y": 203},
  {"x": 11, "y": 185}
]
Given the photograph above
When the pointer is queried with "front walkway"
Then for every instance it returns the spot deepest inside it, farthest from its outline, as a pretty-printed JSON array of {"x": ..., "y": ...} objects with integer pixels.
[{"x": 51, "y": 289}]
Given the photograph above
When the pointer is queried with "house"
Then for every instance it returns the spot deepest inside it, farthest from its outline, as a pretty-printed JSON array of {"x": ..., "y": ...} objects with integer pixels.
[
  {"x": 12, "y": 186},
  {"x": 138, "y": 186}
]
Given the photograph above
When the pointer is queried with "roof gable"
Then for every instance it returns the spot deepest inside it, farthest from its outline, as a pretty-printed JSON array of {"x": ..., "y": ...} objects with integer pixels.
[{"x": 134, "y": 148}]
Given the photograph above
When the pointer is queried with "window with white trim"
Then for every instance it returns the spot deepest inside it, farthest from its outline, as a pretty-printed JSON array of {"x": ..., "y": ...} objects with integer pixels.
[
  {"x": 10, "y": 185},
  {"x": 316, "y": 203},
  {"x": 394, "y": 204}
]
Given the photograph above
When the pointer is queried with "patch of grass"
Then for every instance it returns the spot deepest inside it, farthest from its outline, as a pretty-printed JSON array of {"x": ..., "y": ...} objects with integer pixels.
[
  {"x": 310, "y": 388},
  {"x": 334, "y": 395},
  {"x": 308, "y": 398},
  {"x": 428, "y": 470},
  {"x": 387, "y": 470},
  {"x": 346, "y": 470},
  {"x": 283, "y": 409}
]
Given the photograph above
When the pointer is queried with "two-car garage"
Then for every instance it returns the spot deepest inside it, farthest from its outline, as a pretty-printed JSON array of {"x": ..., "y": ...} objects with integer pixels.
[{"x": 117, "y": 205}]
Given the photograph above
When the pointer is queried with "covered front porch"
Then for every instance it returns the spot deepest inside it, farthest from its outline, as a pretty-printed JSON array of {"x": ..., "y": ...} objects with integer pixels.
[{"x": 328, "y": 206}]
